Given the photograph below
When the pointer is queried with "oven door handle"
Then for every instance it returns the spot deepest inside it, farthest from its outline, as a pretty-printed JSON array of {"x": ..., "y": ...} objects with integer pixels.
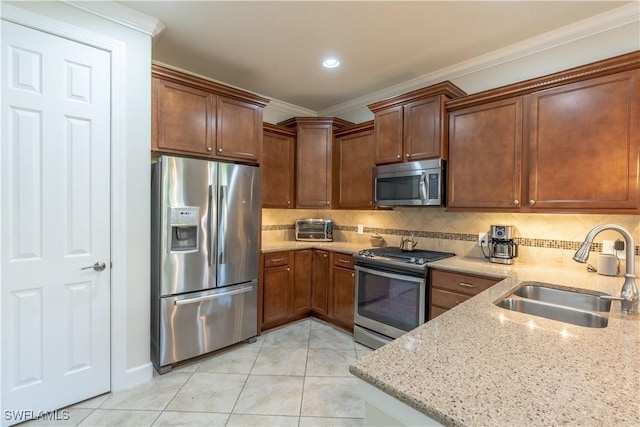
[{"x": 398, "y": 276}]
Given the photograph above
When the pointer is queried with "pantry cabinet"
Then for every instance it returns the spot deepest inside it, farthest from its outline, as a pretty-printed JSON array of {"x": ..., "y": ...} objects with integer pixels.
[
  {"x": 277, "y": 167},
  {"x": 353, "y": 167},
  {"x": 568, "y": 142},
  {"x": 194, "y": 116},
  {"x": 412, "y": 126},
  {"x": 449, "y": 289},
  {"x": 314, "y": 161}
]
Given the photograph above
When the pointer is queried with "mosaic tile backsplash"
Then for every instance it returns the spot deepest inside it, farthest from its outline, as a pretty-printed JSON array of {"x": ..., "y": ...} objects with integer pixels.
[{"x": 543, "y": 238}]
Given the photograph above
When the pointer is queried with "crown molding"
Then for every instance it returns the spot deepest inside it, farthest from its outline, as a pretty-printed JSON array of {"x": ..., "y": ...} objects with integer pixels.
[
  {"x": 290, "y": 109},
  {"x": 121, "y": 14},
  {"x": 615, "y": 18}
]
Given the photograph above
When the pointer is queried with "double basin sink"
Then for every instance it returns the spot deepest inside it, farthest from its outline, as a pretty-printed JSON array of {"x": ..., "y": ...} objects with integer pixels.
[{"x": 580, "y": 307}]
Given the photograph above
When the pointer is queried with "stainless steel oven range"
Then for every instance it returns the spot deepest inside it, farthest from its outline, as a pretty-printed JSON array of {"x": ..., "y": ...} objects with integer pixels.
[{"x": 391, "y": 292}]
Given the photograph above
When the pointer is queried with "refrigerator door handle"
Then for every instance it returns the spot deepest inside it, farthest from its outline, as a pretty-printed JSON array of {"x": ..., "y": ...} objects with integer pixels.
[
  {"x": 210, "y": 228},
  {"x": 214, "y": 296},
  {"x": 222, "y": 257}
]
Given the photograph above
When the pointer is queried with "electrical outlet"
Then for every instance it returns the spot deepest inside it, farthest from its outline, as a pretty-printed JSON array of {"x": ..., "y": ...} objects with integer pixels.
[
  {"x": 607, "y": 247},
  {"x": 483, "y": 239},
  {"x": 360, "y": 229}
]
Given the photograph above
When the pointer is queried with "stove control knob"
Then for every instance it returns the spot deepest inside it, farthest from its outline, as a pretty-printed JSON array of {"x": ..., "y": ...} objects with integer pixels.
[
  {"x": 421, "y": 261},
  {"x": 412, "y": 260}
]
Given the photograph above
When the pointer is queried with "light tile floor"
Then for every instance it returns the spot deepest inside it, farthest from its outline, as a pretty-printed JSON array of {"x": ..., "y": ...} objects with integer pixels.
[{"x": 296, "y": 375}]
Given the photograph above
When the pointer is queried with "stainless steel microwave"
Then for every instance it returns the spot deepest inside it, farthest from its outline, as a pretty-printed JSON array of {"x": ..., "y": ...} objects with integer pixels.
[{"x": 410, "y": 184}]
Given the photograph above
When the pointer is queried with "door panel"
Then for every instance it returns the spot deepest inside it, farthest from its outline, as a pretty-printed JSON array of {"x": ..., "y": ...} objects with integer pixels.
[{"x": 55, "y": 200}]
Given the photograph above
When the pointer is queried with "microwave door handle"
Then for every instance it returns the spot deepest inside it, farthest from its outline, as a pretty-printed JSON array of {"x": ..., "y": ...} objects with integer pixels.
[{"x": 424, "y": 186}]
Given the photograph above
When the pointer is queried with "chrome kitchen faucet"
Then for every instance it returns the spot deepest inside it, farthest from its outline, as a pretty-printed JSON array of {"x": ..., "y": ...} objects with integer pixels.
[{"x": 629, "y": 293}]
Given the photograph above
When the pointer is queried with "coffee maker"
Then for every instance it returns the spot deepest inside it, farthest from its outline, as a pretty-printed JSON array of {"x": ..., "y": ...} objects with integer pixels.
[{"x": 502, "y": 248}]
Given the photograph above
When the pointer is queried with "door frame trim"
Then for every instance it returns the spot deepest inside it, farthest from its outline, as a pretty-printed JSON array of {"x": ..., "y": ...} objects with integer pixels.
[{"x": 121, "y": 377}]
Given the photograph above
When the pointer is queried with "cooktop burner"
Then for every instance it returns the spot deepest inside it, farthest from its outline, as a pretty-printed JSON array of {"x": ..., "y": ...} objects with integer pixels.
[{"x": 395, "y": 257}]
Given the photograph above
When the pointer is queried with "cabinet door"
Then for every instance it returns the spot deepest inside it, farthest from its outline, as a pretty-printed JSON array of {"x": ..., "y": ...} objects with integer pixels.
[
  {"x": 388, "y": 135},
  {"x": 485, "y": 150},
  {"x": 353, "y": 175},
  {"x": 302, "y": 278},
  {"x": 585, "y": 147},
  {"x": 276, "y": 295},
  {"x": 320, "y": 283},
  {"x": 239, "y": 130},
  {"x": 277, "y": 169},
  {"x": 182, "y": 118},
  {"x": 341, "y": 307},
  {"x": 422, "y": 129},
  {"x": 314, "y": 166}
]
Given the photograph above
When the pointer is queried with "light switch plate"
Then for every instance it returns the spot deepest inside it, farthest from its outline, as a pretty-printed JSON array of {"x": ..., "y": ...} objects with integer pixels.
[{"x": 483, "y": 239}]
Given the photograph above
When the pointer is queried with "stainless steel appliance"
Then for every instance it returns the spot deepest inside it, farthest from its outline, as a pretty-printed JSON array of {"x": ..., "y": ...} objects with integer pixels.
[
  {"x": 502, "y": 248},
  {"x": 205, "y": 220},
  {"x": 314, "y": 230},
  {"x": 410, "y": 184},
  {"x": 392, "y": 293}
]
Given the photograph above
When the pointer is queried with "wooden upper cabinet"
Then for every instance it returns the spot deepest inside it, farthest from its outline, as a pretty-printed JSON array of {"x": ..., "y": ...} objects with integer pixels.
[
  {"x": 388, "y": 135},
  {"x": 579, "y": 131},
  {"x": 413, "y": 126},
  {"x": 278, "y": 167},
  {"x": 182, "y": 118},
  {"x": 584, "y": 145},
  {"x": 485, "y": 156},
  {"x": 191, "y": 115},
  {"x": 354, "y": 161},
  {"x": 314, "y": 163},
  {"x": 239, "y": 129}
]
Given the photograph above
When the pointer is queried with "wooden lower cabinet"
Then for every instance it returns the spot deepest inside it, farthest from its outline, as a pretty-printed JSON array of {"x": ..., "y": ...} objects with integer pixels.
[
  {"x": 277, "y": 289},
  {"x": 450, "y": 289},
  {"x": 296, "y": 284},
  {"x": 342, "y": 290},
  {"x": 302, "y": 273},
  {"x": 320, "y": 285}
]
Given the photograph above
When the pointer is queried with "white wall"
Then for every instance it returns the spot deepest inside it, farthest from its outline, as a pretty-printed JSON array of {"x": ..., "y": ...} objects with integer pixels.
[{"x": 130, "y": 249}]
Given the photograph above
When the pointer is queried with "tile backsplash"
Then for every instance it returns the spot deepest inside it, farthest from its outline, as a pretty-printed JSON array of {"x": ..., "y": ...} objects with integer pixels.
[{"x": 549, "y": 239}]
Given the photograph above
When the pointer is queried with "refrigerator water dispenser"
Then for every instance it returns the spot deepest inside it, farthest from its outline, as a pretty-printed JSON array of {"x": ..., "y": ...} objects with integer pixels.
[{"x": 184, "y": 229}]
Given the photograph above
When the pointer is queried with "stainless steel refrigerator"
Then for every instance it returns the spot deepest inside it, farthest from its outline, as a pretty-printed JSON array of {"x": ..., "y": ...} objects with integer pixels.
[{"x": 205, "y": 220}]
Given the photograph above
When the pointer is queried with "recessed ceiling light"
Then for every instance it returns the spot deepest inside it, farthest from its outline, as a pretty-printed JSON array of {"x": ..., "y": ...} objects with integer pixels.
[{"x": 330, "y": 63}]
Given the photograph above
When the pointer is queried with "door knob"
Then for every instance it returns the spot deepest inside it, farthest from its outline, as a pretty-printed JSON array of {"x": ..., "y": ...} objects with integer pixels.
[{"x": 98, "y": 266}]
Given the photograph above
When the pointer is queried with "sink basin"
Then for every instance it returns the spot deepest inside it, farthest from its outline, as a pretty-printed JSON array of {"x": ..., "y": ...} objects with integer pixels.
[
  {"x": 569, "y": 305},
  {"x": 581, "y": 299}
]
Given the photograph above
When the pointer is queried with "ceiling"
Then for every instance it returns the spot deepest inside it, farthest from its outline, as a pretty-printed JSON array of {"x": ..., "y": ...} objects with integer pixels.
[{"x": 275, "y": 48}]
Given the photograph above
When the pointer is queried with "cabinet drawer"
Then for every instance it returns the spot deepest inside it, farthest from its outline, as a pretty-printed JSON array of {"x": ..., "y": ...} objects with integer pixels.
[
  {"x": 342, "y": 260},
  {"x": 461, "y": 283},
  {"x": 446, "y": 299},
  {"x": 275, "y": 259}
]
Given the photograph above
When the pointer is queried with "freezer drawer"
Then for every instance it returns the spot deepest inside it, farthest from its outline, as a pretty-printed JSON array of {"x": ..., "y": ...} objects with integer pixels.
[{"x": 197, "y": 323}]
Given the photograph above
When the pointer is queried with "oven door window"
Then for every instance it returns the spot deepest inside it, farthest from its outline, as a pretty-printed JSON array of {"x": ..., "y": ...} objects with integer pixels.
[{"x": 390, "y": 299}]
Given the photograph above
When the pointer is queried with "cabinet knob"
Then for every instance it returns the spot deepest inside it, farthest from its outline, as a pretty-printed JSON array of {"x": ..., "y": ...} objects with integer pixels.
[
  {"x": 324, "y": 255},
  {"x": 219, "y": 150},
  {"x": 208, "y": 148},
  {"x": 353, "y": 274},
  {"x": 288, "y": 202},
  {"x": 516, "y": 202},
  {"x": 288, "y": 268},
  {"x": 327, "y": 202},
  {"x": 398, "y": 156},
  {"x": 408, "y": 155},
  {"x": 532, "y": 202}
]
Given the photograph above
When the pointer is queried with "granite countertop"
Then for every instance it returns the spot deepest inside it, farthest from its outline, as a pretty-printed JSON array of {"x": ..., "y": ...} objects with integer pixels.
[
  {"x": 479, "y": 364},
  {"x": 293, "y": 245}
]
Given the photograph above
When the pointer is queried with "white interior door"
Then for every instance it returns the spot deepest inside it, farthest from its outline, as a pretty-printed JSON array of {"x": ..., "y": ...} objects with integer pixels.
[{"x": 55, "y": 221}]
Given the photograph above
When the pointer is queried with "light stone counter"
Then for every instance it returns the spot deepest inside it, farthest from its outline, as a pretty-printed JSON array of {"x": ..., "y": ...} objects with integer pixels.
[
  {"x": 289, "y": 245},
  {"x": 481, "y": 365}
]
